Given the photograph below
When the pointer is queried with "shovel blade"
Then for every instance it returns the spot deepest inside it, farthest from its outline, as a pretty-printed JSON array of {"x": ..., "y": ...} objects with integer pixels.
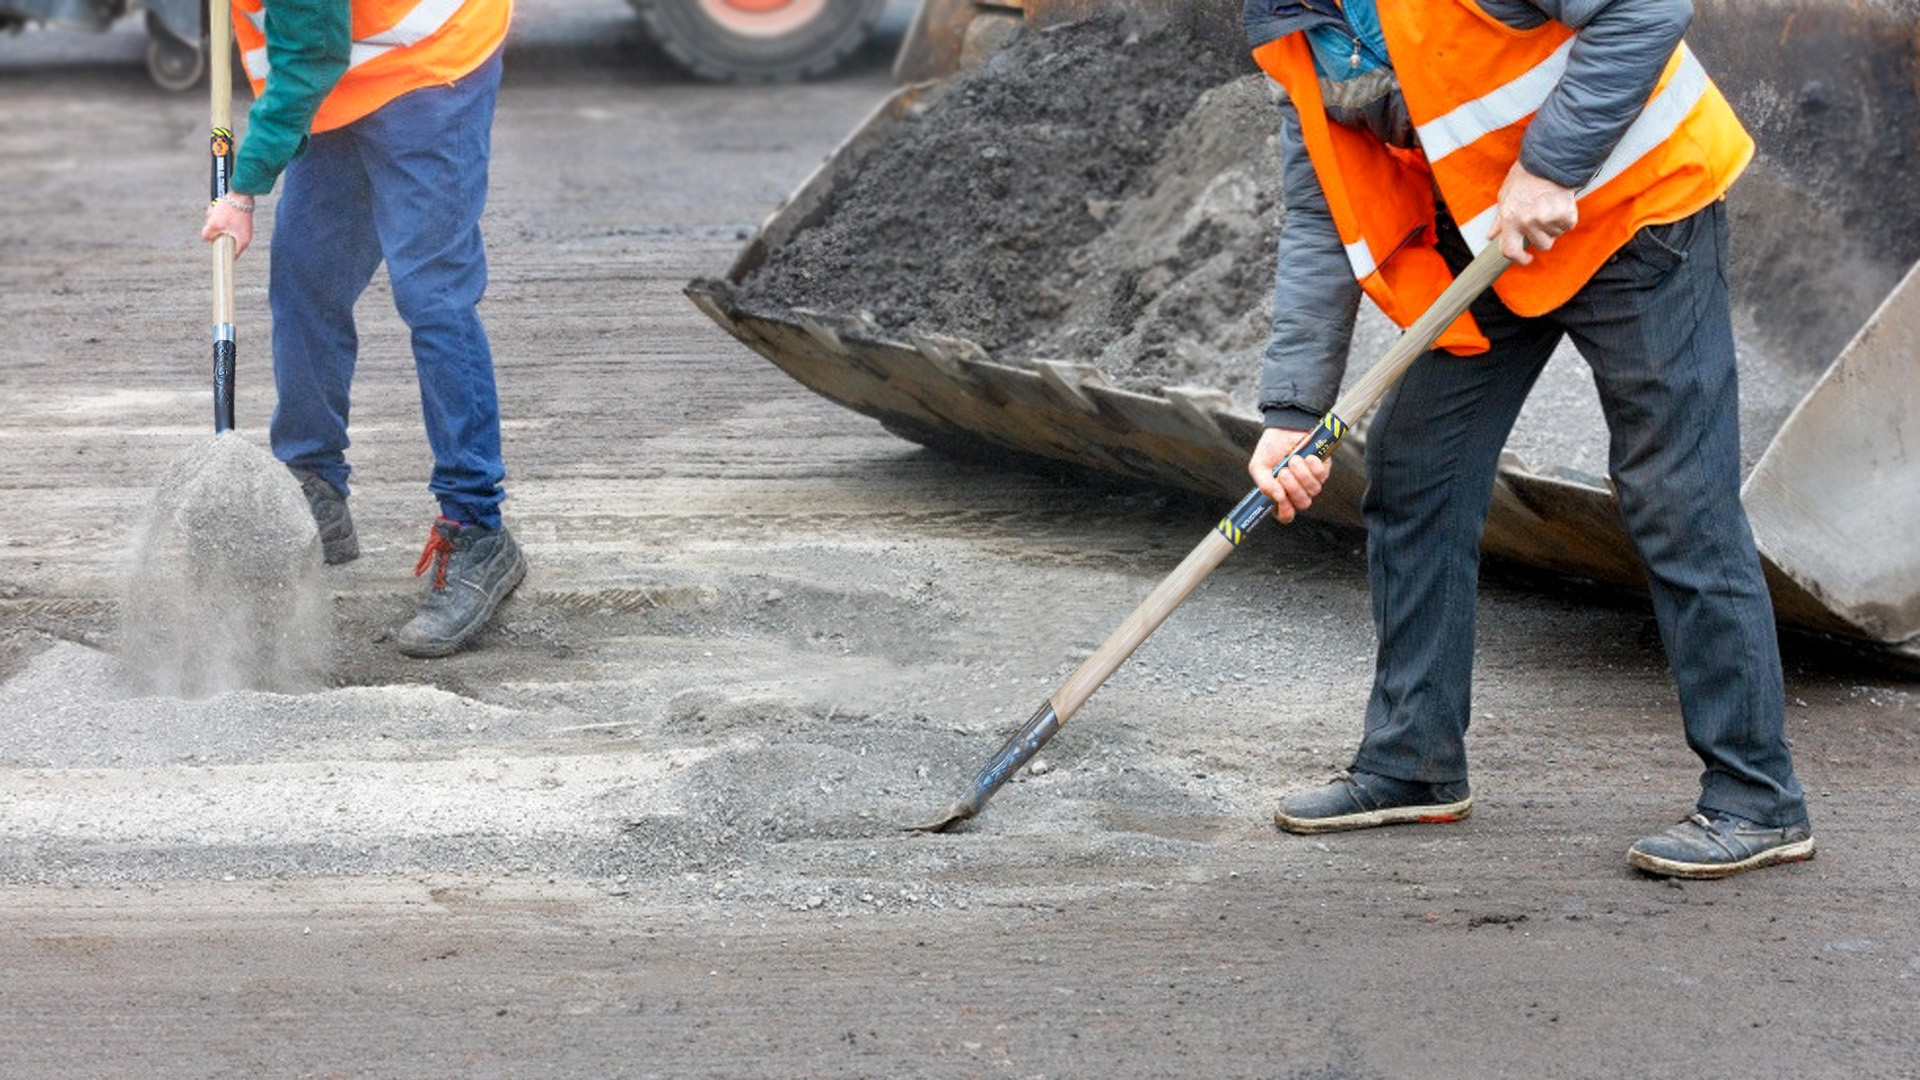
[{"x": 1015, "y": 752}]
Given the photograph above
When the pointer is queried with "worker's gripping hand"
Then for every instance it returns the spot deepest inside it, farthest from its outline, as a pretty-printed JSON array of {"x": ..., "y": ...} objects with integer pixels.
[
  {"x": 1532, "y": 212},
  {"x": 1294, "y": 489},
  {"x": 230, "y": 215}
]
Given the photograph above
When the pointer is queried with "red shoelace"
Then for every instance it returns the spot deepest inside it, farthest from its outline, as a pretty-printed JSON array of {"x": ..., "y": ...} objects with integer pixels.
[{"x": 439, "y": 548}]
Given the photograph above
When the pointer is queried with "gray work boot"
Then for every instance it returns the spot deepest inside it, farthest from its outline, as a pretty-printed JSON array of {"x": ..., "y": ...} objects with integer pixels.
[
  {"x": 338, "y": 544},
  {"x": 473, "y": 570},
  {"x": 1361, "y": 800},
  {"x": 1715, "y": 846}
]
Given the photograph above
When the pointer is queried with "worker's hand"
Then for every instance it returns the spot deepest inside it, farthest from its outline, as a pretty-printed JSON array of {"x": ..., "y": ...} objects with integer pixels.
[
  {"x": 1293, "y": 490},
  {"x": 1531, "y": 212},
  {"x": 230, "y": 215}
]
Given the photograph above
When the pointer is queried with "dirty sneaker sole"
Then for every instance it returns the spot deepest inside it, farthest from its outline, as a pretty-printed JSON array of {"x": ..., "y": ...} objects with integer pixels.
[
  {"x": 1799, "y": 851},
  {"x": 434, "y": 650},
  {"x": 1435, "y": 814}
]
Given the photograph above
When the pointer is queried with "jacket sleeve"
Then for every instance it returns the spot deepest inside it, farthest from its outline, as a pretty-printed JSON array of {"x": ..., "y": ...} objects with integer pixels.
[
  {"x": 1619, "y": 49},
  {"x": 309, "y": 43},
  {"x": 1315, "y": 297}
]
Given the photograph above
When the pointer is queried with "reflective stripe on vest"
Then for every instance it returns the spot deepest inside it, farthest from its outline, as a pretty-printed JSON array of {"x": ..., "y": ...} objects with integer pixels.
[
  {"x": 431, "y": 42},
  {"x": 1507, "y": 105},
  {"x": 1665, "y": 112},
  {"x": 1360, "y": 257},
  {"x": 1381, "y": 201},
  {"x": 1679, "y": 154},
  {"x": 1473, "y": 85},
  {"x": 253, "y": 57},
  {"x": 422, "y": 22}
]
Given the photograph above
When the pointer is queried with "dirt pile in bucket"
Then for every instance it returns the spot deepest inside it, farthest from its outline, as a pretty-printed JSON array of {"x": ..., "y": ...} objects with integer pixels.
[
  {"x": 223, "y": 588},
  {"x": 1096, "y": 191}
]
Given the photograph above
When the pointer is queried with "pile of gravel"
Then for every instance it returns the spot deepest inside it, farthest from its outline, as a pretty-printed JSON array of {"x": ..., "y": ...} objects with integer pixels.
[{"x": 1092, "y": 190}]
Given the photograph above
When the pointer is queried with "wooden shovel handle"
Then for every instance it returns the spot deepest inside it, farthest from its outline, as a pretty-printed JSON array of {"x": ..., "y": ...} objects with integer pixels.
[{"x": 220, "y": 78}]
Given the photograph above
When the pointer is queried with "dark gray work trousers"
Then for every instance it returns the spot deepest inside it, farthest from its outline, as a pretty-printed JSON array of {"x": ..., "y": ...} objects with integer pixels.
[{"x": 1654, "y": 326}]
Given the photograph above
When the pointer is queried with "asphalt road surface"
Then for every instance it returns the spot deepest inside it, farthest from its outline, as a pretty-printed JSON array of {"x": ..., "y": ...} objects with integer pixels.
[{"x": 650, "y": 826}]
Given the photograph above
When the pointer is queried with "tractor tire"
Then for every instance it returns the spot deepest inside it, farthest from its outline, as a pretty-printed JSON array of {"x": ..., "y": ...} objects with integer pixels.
[{"x": 759, "y": 40}]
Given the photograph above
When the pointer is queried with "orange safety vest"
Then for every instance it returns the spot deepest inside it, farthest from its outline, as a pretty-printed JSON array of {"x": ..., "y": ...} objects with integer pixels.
[
  {"x": 398, "y": 46},
  {"x": 1471, "y": 95}
]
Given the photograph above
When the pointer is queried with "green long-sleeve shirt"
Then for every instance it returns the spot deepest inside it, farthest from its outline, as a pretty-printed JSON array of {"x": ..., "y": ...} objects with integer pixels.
[{"x": 308, "y": 45}]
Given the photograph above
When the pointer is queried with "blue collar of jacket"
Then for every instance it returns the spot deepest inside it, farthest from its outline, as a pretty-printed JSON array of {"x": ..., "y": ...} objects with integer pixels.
[{"x": 1271, "y": 20}]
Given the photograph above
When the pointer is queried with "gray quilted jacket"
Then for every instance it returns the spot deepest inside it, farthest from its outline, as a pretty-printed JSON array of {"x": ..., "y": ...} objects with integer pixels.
[{"x": 1619, "y": 50}]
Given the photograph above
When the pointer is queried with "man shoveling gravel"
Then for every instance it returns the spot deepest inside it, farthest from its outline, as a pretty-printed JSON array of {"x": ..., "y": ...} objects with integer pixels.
[{"x": 385, "y": 161}]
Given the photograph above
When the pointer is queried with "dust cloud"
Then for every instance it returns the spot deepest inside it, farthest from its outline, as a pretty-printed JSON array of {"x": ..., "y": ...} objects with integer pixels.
[{"x": 222, "y": 588}]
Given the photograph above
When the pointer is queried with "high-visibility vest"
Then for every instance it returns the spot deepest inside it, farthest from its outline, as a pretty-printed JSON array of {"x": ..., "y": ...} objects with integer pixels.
[
  {"x": 398, "y": 46},
  {"x": 1471, "y": 96}
]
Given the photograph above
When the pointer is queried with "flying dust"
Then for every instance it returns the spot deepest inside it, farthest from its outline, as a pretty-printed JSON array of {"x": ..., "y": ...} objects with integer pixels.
[{"x": 222, "y": 587}]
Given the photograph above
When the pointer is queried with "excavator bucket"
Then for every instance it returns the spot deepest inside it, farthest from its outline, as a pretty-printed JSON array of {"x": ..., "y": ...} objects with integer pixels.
[
  {"x": 1835, "y": 501},
  {"x": 1823, "y": 272}
]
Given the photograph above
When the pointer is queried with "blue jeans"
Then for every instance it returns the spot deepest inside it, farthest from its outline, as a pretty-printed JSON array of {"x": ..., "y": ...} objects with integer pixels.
[
  {"x": 405, "y": 185},
  {"x": 1653, "y": 324}
]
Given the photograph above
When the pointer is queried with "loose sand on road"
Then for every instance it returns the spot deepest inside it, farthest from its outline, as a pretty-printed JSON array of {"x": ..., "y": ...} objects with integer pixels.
[{"x": 650, "y": 826}]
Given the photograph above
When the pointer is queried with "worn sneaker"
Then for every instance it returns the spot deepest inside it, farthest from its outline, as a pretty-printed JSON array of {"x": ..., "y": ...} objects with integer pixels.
[
  {"x": 474, "y": 568},
  {"x": 1714, "y": 847},
  {"x": 1361, "y": 800},
  {"x": 338, "y": 544}
]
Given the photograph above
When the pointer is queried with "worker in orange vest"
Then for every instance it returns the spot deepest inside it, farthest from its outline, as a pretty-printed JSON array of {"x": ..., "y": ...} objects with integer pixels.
[
  {"x": 1585, "y": 139},
  {"x": 379, "y": 114}
]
